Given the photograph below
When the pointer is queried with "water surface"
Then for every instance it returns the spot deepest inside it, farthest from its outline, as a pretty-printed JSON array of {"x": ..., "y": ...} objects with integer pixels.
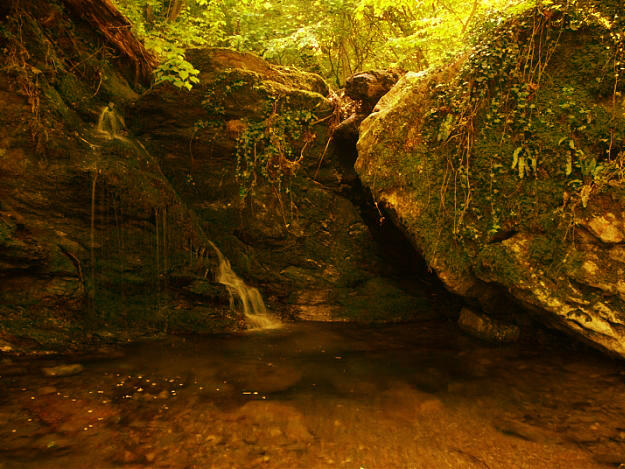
[{"x": 315, "y": 395}]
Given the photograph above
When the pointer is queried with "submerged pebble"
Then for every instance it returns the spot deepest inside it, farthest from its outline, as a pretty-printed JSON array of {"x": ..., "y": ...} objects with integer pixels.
[{"x": 63, "y": 370}]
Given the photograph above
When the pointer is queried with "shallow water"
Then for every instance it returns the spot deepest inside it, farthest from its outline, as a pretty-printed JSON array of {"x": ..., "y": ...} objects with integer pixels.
[{"x": 319, "y": 396}]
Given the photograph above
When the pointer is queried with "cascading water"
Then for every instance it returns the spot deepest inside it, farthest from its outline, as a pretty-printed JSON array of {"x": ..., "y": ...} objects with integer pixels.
[
  {"x": 254, "y": 309},
  {"x": 111, "y": 126}
]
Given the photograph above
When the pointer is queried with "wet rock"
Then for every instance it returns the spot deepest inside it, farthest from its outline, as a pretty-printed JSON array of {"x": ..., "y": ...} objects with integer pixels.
[
  {"x": 63, "y": 370},
  {"x": 526, "y": 431},
  {"x": 13, "y": 370},
  {"x": 46, "y": 390},
  {"x": 266, "y": 377},
  {"x": 486, "y": 328},
  {"x": 431, "y": 406},
  {"x": 128, "y": 457},
  {"x": 279, "y": 416},
  {"x": 53, "y": 441},
  {"x": 44, "y": 211},
  {"x": 529, "y": 259},
  {"x": 319, "y": 248},
  {"x": 405, "y": 402},
  {"x": 5, "y": 346},
  {"x": 65, "y": 415}
]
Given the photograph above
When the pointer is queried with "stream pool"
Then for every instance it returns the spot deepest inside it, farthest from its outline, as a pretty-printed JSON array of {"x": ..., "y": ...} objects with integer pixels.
[{"x": 318, "y": 395}]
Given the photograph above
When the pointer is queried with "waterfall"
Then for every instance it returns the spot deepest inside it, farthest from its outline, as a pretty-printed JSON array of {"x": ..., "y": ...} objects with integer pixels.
[
  {"x": 254, "y": 309},
  {"x": 110, "y": 124}
]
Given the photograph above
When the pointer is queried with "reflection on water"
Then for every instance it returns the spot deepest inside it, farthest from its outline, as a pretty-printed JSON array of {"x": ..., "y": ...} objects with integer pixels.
[{"x": 319, "y": 396}]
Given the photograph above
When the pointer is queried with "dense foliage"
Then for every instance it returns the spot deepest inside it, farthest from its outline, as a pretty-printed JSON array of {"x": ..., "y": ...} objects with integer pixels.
[{"x": 335, "y": 38}]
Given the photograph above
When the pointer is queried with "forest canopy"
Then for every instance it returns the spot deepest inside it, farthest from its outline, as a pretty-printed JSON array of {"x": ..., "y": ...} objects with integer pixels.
[{"x": 335, "y": 38}]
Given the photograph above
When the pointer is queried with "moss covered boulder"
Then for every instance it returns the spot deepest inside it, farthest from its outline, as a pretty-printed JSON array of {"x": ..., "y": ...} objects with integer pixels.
[
  {"x": 505, "y": 169},
  {"x": 249, "y": 151}
]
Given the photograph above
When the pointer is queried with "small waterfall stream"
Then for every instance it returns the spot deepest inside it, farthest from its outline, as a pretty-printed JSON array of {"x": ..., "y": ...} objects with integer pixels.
[
  {"x": 254, "y": 309},
  {"x": 111, "y": 126}
]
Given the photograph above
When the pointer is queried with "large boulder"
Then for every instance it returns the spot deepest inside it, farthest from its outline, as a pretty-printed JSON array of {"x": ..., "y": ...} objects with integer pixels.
[
  {"x": 366, "y": 88},
  {"x": 505, "y": 170},
  {"x": 249, "y": 151}
]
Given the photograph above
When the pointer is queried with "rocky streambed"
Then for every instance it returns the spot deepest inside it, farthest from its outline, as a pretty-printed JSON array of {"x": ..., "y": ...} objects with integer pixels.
[{"x": 318, "y": 395}]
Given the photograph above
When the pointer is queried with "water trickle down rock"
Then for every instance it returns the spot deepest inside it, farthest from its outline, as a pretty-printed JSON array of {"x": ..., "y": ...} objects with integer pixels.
[
  {"x": 252, "y": 303},
  {"x": 111, "y": 124}
]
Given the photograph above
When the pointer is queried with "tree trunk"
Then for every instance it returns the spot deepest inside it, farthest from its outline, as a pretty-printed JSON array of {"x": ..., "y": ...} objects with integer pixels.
[
  {"x": 175, "y": 7},
  {"x": 116, "y": 28}
]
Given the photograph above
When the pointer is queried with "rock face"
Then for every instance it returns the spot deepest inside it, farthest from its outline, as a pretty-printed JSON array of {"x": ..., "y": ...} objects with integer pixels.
[
  {"x": 365, "y": 89},
  {"x": 92, "y": 234},
  {"x": 98, "y": 233},
  {"x": 508, "y": 183},
  {"x": 368, "y": 87},
  {"x": 249, "y": 151}
]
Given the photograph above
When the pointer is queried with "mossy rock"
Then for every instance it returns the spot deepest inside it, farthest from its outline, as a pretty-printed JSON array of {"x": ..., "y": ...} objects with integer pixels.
[
  {"x": 292, "y": 232},
  {"x": 499, "y": 172},
  {"x": 381, "y": 300}
]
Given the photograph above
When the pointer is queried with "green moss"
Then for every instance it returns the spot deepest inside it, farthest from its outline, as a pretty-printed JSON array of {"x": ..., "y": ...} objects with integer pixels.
[
  {"x": 7, "y": 231},
  {"x": 380, "y": 300},
  {"x": 73, "y": 90},
  {"x": 515, "y": 118},
  {"x": 500, "y": 263}
]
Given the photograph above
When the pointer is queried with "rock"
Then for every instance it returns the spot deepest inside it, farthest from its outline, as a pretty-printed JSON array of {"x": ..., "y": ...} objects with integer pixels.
[
  {"x": 277, "y": 416},
  {"x": 502, "y": 241},
  {"x": 69, "y": 415},
  {"x": 5, "y": 347},
  {"x": 265, "y": 377},
  {"x": 431, "y": 406},
  {"x": 527, "y": 432},
  {"x": 63, "y": 370},
  {"x": 46, "y": 390},
  {"x": 129, "y": 457},
  {"x": 42, "y": 256},
  {"x": 608, "y": 227},
  {"x": 348, "y": 129},
  {"x": 368, "y": 87},
  {"x": 53, "y": 441},
  {"x": 173, "y": 177},
  {"x": 308, "y": 257},
  {"x": 486, "y": 328}
]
